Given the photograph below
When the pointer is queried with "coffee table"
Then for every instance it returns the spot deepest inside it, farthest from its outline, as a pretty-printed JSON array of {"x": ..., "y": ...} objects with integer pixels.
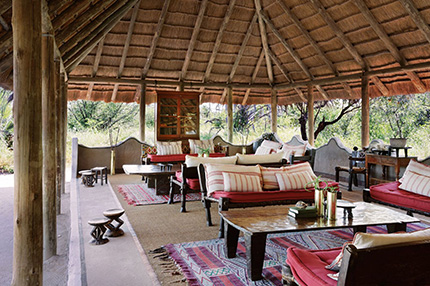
[
  {"x": 257, "y": 223},
  {"x": 157, "y": 173}
]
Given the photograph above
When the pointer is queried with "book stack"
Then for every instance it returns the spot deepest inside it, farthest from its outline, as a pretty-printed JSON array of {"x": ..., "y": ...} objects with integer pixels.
[{"x": 307, "y": 212}]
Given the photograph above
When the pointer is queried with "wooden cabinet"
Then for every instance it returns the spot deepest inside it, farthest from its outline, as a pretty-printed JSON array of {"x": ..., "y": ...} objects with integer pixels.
[{"x": 178, "y": 116}]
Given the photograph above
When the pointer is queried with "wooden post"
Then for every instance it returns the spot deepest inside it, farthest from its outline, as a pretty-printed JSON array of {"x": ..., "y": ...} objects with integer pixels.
[
  {"x": 142, "y": 111},
  {"x": 274, "y": 106},
  {"x": 27, "y": 107},
  {"x": 49, "y": 148},
  {"x": 311, "y": 122},
  {"x": 63, "y": 129},
  {"x": 58, "y": 137},
  {"x": 230, "y": 114},
  {"x": 365, "y": 106}
]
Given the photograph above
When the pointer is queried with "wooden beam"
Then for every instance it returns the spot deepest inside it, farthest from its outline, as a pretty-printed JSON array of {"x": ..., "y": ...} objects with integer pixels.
[
  {"x": 365, "y": 108},
  {"x": 58, "y": 136},
  {"x": 155, "y": 38},
  {"x": 4, "y": 6},
  {"x": 219, "y": 39},
  {"x": 380, "y": 85},
  {"x": 230, "y": 114},
  {"x": 193, "y": 40},
  {"x": 388, "y": 43},
  {"x": 63, "y": 103},
  {"x": 54, "y": 6},
  {"x": 311, "y": 118},
  {"x": 274, "y": 109},
  {"x": 263, "y": 35},
  {"x": 27, "y": 108},
  {"x": 95, "y": 67},
  {"x": 6, "y": 63},
  {"x": 254, "y": 76},
  {"x": 70, "y": 13},
  {"x": 142, "y": 112},
  {"x": 6, "y": 42},
  {"x": 4, "y": 24},
  {"x": 417, "y": 18}
]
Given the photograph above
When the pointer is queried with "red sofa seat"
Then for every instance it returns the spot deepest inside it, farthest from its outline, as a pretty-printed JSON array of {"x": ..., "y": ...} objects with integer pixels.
[
  {"x": 193, "y": 184},
  {"x": 308, "y": 266},
  {"x": 176, "y": 157},
  {"x": 390, "y": 193}
]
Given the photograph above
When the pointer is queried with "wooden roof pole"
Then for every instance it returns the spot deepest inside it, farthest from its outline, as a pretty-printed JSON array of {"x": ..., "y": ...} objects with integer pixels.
[
  {"x": 126, "y": 46},
  {"x": 347, "y": 44},
  {"x": 263, "y": 35},
  {"x": 274, "y": 109},
  {"x": 311, "y": 119},
  {"x": 254, "y": 76},
  {"x": 142, "y": 112},
  {"x": 4, "y": 24},
  {"x": 70, "y": 13},
  {"x": 95, "y": 67},
  {"x": 27, "y": 73},
  {"x": 155, "y": 38},
  {"x": 4, "y": 6},
  {"x": 417, "y": 18},
  {"x": 365, "y": 111},
  {"x": 230, "y": 114},
  {"x": 389, "y": 44}
]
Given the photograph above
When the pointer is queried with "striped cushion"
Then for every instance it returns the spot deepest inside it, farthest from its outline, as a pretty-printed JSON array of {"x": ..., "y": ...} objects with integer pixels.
[
  {"x": 293, "y": 181},
  {"x": 197, "y": 145},
  {"x": 215, "y": 179},
  {"x": 169, "y": 148},
  {"x": 269, "y": 174},
  {"x": 416, "y": 183},
  {"x": 417, "y": 168},
  {"x": 236, "y": 182},
  {"x": 293, "y": 150}
]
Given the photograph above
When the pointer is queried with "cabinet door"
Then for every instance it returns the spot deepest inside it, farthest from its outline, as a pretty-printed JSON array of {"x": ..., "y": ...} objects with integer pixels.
[
  {"x": 168, "y": 116},
  {"x": 189, "y": 116}
]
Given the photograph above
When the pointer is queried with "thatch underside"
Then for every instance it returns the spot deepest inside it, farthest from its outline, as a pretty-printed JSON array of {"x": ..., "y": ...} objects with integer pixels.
[{"x": 220, "y": 42}]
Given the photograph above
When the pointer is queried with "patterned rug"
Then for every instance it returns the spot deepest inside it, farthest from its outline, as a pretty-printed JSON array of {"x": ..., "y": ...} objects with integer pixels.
[
  {"x": 204, "y": 262},
  {"x": 139, "y": 194}
]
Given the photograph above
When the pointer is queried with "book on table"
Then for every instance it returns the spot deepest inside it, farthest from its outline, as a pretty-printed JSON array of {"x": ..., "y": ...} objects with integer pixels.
[{"x": 309, "y": 209}]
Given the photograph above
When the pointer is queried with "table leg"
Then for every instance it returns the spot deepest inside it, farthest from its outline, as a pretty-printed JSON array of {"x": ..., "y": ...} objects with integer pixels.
[
  {"x": 255, "y": 251},
  {"x": 162, "y": 185},
  {"x": 231, "y": 238},
  {"x": 361, "y": 228},
  {"x": 395, "y": 227}
]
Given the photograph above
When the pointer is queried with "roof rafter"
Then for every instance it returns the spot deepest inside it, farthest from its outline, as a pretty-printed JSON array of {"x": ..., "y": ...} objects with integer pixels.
[
  {"x": 263, "y": 35},
  {"x": 155, "y": 38},
  {"x": 70, "y": 13},
  {"x": 254, "y": 76},
  {"x": 5, "y": 5},
  {"x": 126, "y": 46},
  {"x": 3, "y": 23},
  {"x": 417, "y": 18},
  {"x": 389, "y": 43},
  {"x": 95, "y": 67}
]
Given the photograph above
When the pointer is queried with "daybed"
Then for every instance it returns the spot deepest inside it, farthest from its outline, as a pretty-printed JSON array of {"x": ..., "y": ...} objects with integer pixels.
[
  {"x": 379, "y": 259},
  {"x": 410, "y": 193}
]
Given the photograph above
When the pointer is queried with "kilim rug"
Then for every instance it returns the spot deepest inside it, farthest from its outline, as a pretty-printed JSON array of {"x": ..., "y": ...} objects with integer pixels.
[
  {"x": 205, "y": 263},
  {"x": 139, "y": 194}
]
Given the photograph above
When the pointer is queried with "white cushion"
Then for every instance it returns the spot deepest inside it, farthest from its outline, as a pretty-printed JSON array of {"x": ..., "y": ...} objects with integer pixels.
[
  {"x": 269, "y": 174},
  {"x": 203, "y": 144},
  {"x": 271, "y": 144},
  {"x": 215, "y": 179},
  {"x": 236, "y": 182},
  {"x": 169, "y": 148},
  {"x": 261, "y": 150},
  {"x": 415, "y": 183},
  {"x": 293, "y": 150},
  {"x": 293, "y": 181},
  {"x": 258, "y": 159},
  {"x": 193, "y": 161},
  {"x": 419, "y": 168}
]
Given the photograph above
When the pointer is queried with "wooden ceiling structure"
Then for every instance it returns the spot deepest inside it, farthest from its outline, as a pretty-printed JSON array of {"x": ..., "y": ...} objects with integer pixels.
[{"x": 109, "y": 48}]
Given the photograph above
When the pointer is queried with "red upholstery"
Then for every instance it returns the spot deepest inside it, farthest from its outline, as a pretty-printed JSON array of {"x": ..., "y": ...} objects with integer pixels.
[
  {"x": 194, "y": 184},
  {"x": 177, "y": 157},
  {"x": 390, "y": 193},
  {"x": 255, "y": 197},
  {"x": 308, "y": 266}
]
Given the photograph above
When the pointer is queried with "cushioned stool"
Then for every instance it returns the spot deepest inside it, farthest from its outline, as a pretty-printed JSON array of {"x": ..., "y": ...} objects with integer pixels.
[
  {"x": 103, "y": 173},
  {"x": 98, "y": 230},
  {"x": 114, "y": 214}
]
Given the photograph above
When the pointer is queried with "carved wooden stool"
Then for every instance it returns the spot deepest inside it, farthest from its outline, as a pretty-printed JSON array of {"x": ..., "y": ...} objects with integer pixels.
[
  {"x": 113, "y": 215},
  {"x": 88, "y": 178},
  {"x": 82, "y": 177},
  {"x": 103, "y": 173},
  {"x": 98, "y": 230}
]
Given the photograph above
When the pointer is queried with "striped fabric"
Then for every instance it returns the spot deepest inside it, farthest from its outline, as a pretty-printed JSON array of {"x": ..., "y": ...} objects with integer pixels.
[
  {"x": 197, "y": 145},
  {"x": 417, "y": 168},
  {"x": 215, "y": 178},
  {"x": 236, "y": 182},
  {"x": 169, "y": 148},
  {"x": 416, "y": 183},
  {"x": 293, "y": 150},
  {"x": 269, "y": 174},
  {"x": 293, "y": 181}
]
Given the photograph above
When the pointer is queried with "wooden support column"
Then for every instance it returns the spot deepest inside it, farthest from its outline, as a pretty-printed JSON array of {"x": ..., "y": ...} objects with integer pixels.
[
  {"x": 365, "y": 109},
  {"x": 49, "y": 148},
  {"x": 311, "y": 122},
  {"x": 58, "y": 134},
  {"x": 63, "y": 135},
  {"x": 274, "y": 106},
  {"x": 27, "y": 109},
  {"x": 142, "y": 111},
  {"x": 230, "y": 114}
]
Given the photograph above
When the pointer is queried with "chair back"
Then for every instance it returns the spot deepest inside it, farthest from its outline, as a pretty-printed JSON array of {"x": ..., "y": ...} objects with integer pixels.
[{"x": 202, "y": 179}]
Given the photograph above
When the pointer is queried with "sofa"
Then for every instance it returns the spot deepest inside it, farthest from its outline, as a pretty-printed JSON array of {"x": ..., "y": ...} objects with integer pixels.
[{"x": 410, "y": 193}]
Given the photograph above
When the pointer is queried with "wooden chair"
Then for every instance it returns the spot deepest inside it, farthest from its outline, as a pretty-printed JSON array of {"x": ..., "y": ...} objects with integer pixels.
[
  {"x": 353, "y": 170},
  {"x": 182, "y": 185}
]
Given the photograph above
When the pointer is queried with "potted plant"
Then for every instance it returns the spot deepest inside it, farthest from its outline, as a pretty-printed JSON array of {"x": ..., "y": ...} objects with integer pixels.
[{"x": 203, "y": 151}]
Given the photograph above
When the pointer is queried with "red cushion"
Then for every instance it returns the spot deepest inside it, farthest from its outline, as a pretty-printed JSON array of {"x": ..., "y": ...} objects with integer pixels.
[
  {"x": 251, "y": 197},
  {"x": 390, "y": 193},
  {"x": 167, "y": 158},
  {"x": 210, "y": 155},
  {"x": 178, "y": 175},
  {"x": 194, "y": 184},
  {"x": 308, "y": 266}
]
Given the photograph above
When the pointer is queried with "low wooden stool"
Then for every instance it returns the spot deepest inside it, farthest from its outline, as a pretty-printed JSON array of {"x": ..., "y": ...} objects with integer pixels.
[
  {"x": 103, "y": 173},
  {"x": 98, "y": 230},
  {"x": 88, "y": 178},
  {"x": 82, "y": 177},
  {"x": 114, "y": 214}
]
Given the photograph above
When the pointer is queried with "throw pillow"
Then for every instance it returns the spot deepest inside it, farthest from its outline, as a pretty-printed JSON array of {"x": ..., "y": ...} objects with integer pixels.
[
  {"x": 271, "y": 144},
  {"x": 215, "y": 179},
  {"x": 169, "y": 148},
  {"x": 258, "y": 159},
  {"x": 235, "y": 182},
  {"x": 196, "y": 145},
  {"x": 261, "y": 150},
  {"x": 293, "y": 150},
  {"x": 419, "y": 168},
  {"x": 416, "y": 183},
  {"x": 292, "y": 181},
  {"x": 269, "y": 177},
  {"x": 192, "y": 161},
  {"x": 301, "y": 167}
]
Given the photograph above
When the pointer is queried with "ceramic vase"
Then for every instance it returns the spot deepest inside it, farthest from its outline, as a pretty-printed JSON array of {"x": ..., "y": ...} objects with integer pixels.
[
  {"x": 331, "y": 205},
  {"x": 112, "y": 162},
  {"x": 319, "y": 200}
]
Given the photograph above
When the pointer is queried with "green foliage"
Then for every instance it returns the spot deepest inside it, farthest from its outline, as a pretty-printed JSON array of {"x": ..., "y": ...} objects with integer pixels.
[{"x": 6, "y": 118}]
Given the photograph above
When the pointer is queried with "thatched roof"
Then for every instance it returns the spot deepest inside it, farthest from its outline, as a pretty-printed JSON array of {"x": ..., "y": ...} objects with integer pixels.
[{"x": 207, "y": 44}]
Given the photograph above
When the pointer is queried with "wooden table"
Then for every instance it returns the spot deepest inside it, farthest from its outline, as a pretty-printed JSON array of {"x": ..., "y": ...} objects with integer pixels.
[
  {"x": 384, "y": 161},
  {"x": 257, "y": 223},
  {"x": 159, "y": 174}
]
